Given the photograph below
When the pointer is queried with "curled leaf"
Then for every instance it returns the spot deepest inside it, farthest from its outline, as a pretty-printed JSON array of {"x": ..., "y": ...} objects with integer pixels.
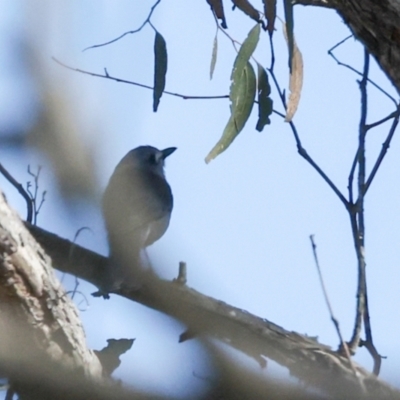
[
  {"x": 295, "y": 81},
  {"x": 214, "y": 55},
  {"x": 243, "y": 90},
  {"x": 270, "y": 14},
  {"x": 247, "y": 8},
  {"x": 264, "y": 101},
  {"x": 160, "y": 69},
  {"x": 218, "y": 9}
]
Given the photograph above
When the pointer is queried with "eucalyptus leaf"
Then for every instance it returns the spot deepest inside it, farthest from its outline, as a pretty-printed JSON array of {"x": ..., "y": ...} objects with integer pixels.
[
  {"x": 264, "y": 101},
  {"x": 246, "y": 51},
  {"x": 214, "y": 55},
  {"x": 160, "y": 69},
  {"x": 243, "y": 90}
]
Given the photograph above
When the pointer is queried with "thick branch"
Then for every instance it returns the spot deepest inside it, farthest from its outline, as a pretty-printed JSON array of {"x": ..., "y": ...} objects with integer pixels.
[
  {"x": 306, "y": 359},
  {"x": 37, "y": 320}
]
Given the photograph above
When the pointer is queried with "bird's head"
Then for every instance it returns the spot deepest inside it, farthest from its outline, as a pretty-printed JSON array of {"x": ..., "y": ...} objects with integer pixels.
[{"x": 148, "y": 158}]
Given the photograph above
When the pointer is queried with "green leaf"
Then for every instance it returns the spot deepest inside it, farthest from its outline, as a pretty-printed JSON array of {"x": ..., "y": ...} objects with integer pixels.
[
  {"x": 246, "y": 51},
  {"x": 264, "y": 101},
  {"x": 289, "y": 29},
  {"x": 214, "y": 55},
  {"x": 243, "y": 90},
  {"x": 160, "y": 69}
]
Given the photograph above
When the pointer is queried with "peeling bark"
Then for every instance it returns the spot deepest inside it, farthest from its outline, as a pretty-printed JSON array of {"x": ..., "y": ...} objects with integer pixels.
[{"x": 39, "y": 324}]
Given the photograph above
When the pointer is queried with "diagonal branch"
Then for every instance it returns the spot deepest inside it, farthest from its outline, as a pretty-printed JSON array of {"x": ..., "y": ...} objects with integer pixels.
[
  {"x": 385, "y": 148},
  {"x": 257, "y": 337}
]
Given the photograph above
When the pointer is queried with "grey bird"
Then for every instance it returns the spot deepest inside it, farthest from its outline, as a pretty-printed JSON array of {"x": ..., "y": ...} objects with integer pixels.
[{"x": 137, "y": 206}]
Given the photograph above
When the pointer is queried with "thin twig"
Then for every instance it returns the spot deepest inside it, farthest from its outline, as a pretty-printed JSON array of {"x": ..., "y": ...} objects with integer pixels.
[
  {"x": 357, "y": 214},
  {"x": 343, "y": 345},
  {"x": 301, "y": 150},
  {"x": 385, "y": 147},
  {"x": 147, "y": 20},
  {"x": 382, "y": 121},
  {"x": 108, "y": 76},
  {"x": 330, "y": 52},
  {"x": 21, "y": 191},
  {"x": 351, "y": 177},
  {"x": 34, "y": 195}
]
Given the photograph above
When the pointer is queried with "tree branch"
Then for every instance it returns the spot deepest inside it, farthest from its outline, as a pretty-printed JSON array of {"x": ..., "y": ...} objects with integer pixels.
[
  {"x": 376, "y": 24},
  {"x": 257, "y": 337}
]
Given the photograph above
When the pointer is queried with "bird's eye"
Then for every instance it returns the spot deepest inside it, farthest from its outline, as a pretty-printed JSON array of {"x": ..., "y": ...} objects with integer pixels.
[{"x": 152, "y": 159}]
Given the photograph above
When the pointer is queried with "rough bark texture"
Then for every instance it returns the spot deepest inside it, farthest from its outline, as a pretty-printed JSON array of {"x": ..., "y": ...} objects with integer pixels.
[
  {"x": 376, "y": 24},
  {"x": 38, "y": 322},
  {"x": 312, "y": 362}
]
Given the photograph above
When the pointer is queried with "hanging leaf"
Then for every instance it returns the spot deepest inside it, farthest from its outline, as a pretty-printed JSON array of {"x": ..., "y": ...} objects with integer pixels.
[
  {"x": 246, "y": 51},
  {"x": 264, "y": 101},
  {"x": 214, "y": 55},
  {"x": 160, "y": 69},
  {"x": 242, "y": 93},
  {"x": 247, "y": 8},
  {"x": 289, "y": 27},
  {"x": 243, "y": 90},
  {"x": 218, "y": 9},
  {"x": 295, "y": 81},
  {"x": 270, "y": 14}
]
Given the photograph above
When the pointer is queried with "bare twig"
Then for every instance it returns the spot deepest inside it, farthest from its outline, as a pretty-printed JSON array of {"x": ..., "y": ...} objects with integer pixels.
[
  {"x": 146, "y": 21},
  {"x": 34, "y": 195},
  {"x": 351, "y": 178},
  {"x": 301, "y": 150},
  {"x": 330, "y": 52},
  {"x": 106, "y": 75},
  {"x": 343, "y": 344},
  {"x": 385, "y": 147},
  {"x": 383, "y": 120},
  {"x": 357, "y": 213},
  {"x": 21, "y": 191},
  {"x": 358, "y": 229}
]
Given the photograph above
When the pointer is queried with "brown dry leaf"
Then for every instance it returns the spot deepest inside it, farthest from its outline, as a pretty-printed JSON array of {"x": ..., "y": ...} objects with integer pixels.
[
  {"x": 296, "y": 79},
  {"x": 247, "y": 8},
  {"x": 270, "y": 14},
  {"x": 218, "y": 8}
]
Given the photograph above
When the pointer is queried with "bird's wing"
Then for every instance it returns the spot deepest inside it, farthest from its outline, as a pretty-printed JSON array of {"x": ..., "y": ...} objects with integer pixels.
[{"x": 138, "y": 204}]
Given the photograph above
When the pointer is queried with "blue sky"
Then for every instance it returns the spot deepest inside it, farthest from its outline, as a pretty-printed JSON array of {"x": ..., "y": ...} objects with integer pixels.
[{"x": 242, "y": 223}]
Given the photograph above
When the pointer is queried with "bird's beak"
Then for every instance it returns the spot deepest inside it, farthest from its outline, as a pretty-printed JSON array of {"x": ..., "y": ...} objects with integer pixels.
[{"x": 167, "y": 152}]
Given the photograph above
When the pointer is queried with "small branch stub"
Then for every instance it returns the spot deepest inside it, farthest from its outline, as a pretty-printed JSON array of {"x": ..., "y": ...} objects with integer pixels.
[{"x": 182, "y": 274}]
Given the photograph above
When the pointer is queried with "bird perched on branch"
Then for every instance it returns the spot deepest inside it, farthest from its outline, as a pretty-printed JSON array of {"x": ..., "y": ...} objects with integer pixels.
[{"x": 137, "y": 206}]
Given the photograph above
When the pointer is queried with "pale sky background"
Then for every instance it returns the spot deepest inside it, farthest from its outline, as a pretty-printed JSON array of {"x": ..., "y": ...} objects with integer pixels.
[{"x": 242, "y": 223}]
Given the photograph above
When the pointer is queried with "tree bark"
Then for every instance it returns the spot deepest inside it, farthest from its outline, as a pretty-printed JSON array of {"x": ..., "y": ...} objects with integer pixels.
[
  {"x": 376, "y": 24},
  {"x": 39, "y": 324},
  {"x": 312, "y": 362}
]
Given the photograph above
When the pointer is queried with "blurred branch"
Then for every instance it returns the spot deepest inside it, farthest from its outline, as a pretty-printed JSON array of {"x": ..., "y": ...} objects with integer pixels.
[
  {"x": 317, "y": 3},
  {"x": 34, "y": 195},
  {"x": 308, "y": 360},
  {"x": 21, "y": 191}
]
